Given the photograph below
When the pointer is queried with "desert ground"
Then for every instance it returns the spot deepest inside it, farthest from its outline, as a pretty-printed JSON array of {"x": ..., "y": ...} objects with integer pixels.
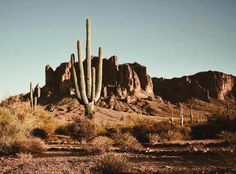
[{"x": 175, "y": 150}]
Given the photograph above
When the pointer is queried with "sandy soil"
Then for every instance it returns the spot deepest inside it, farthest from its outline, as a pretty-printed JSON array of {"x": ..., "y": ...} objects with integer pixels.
[{"x": 175, "y": 157}]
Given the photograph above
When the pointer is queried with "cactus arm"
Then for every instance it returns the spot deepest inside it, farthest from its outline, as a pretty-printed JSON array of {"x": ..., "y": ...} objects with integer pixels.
[
  {"x": 88, "y": 57},
  {"x": 81, "y": 71},
  {"x": 93, "y": 84},
  {"x": 99, "y": 76},
  {"x": 75, "y": 77},
  {"x": 38, "y": 91}
]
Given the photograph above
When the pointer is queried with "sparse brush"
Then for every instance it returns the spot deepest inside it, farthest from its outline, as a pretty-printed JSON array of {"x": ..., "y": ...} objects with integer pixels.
[
  {"x": 24, "y": 157},
  {"x": 82, "y": 129},
  {"x": 112, "y": 164},
  {"x": 31, "y": 145},
  {"x": 214, "y": 126},
  {"x": 154, "y": 138},
  {"x": 103, "y": 144},
  {"x": 16, "y": 124},
  {"x": 171, "y": 135},
  {"x": 230, "y": 137},
  {"x": 126, "y": 141}
]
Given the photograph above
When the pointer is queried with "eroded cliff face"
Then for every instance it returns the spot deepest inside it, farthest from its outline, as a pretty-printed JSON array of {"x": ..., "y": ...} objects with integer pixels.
[
  {"x": 120, "y": 80},
  {"x": 132, "y": 79},
  {"x": 203, "y": 85}
]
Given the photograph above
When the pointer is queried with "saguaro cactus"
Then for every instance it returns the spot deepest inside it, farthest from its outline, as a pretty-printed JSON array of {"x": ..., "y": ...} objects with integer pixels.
[
  {"x": 31, "y": 95},
  {"x": 34, "y": 95},
  {"x": 88, "y": 92}
]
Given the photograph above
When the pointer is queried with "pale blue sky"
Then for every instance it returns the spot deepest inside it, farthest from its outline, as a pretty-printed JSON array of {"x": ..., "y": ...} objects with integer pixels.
[{"x": 171, "y": 37}]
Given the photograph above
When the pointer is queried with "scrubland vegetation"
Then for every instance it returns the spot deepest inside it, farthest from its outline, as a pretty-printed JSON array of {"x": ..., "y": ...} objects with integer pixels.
[{"x": 26, "y": 132}]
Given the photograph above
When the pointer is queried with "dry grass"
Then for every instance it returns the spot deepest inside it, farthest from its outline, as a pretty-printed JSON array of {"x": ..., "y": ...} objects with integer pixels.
[
  {"x": 103, "y": 144},
  {"x": 126, "y": 141},
  {"x": 81, "y": 129},
  {"x": 112, "y": 164},
  {"x": 154, "y": 138},
  {"x": 31, "y": 145},
  {"x": 171, "y": 135},
  {"x": 16, "y": 124},
  {"x": 39, "y": 117},
  {"x": 230, "y": 137}
]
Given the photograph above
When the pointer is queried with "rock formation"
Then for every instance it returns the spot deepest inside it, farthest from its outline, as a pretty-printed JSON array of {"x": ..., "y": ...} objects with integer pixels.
[
  {"x": 132, "y": 79},
  {"x": 203, "y": 85},
  {"x": 120, "y": 80}
]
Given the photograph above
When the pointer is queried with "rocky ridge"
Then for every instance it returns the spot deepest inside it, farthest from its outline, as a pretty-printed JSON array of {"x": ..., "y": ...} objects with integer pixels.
[
  {"x": 130, "y": 81},
  {"x": 203, "y": 85}
]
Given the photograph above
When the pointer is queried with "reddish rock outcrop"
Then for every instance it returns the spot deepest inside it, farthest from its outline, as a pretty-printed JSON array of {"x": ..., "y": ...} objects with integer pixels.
[
  {"x": 120, "y": 80},
  {"x": 203, "y": 85}
]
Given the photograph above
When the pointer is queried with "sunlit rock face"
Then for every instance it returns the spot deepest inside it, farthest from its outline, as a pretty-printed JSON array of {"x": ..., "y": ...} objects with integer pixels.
[
  {"x": 121, "y": 80},
  {"x": 203, "y": 85}
]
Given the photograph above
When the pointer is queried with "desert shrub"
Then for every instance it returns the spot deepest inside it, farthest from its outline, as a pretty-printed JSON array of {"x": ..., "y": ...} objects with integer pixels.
[
  {"x": 13, "y": 128},
  {"x": 40, "y": 133},
  {"x": 24, "y": 145},
  {"x": 142, "y": 127},
  {"x": 81, "y": 129},
  {"x": 16, "y": 123},
  {"x": 154, "y": 138},
  {"x": 102, "y": 144},
  {"x": 63, "y": 130},
  {"x": 214, "y": 126},
  {"x": 174, "y": 133},
  {"x": 39, "y": 118},
  {"x": 126, "y": 141},
  {"x": 229, "y": 137},
  {"x": 31, "y": 145},
  {"x": 112, "y": 164},
  {"x": 171, "y": 135}
]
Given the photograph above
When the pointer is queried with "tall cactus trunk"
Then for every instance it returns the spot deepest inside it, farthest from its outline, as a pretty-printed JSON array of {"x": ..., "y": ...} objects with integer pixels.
[
  {"x": 89, "y": 110},
  {"x": 88, "y": 58}
]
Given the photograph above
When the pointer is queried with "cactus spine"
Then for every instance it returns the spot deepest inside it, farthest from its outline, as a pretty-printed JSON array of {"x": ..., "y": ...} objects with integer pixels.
[{"x": 90, "y": 91}]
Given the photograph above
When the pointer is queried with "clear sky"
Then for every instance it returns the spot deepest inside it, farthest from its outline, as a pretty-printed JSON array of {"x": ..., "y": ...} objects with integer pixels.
[{"x": 171, "y": 37}]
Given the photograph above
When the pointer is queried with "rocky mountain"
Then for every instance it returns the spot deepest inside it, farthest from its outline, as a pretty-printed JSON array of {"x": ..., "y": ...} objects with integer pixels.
[
  {"x": 125, "y": 80},
  {"x": 121, "y": 80},
  {"x": 203, "y": 85}
]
